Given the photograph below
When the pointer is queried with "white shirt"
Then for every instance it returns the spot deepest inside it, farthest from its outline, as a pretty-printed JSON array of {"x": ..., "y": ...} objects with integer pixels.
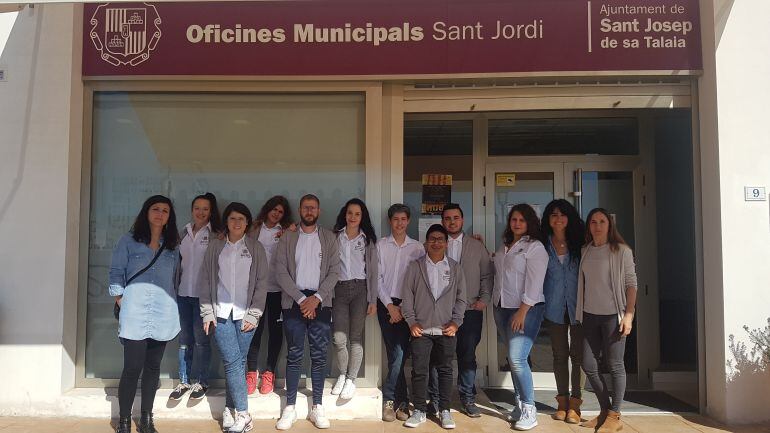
[
  {"x": 455, "y": 247},
  {"x": 308, "y": 260},
  {"x": 269, "y": 238},
  {"x": 192, "y": 250},
  {"x": 520, "y": 272},
  {"x": 438, "y": 275},
  {"x": 352, "y": 256},
  {"x": 233, "y": 287},
  {"x": 393, "y": 260}
]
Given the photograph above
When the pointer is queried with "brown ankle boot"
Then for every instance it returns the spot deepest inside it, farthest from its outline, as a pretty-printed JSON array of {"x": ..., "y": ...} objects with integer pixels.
[
  {"x": 561, "y": 411},
  {"x": 573, "y": 414},
  {"x": 596, "y": 422},
  {"x": 612, "y": 424}
]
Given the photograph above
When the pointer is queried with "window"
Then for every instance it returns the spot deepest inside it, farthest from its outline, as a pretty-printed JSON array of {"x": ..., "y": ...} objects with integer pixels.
[{"x": 241, "y": 147}]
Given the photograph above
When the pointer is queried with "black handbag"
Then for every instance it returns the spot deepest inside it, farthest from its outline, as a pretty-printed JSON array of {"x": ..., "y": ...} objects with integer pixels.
[{"x": 116, "y": 307}]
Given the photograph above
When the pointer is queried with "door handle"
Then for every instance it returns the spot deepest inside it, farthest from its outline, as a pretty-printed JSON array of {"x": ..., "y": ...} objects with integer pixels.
[{"x": 578, "y": 192}]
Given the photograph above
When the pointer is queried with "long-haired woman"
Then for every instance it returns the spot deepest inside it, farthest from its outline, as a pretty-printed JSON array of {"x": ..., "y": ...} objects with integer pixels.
[
  {"x": 273, "y": 219},
  {"x": 233, "y": 281},
  {"x": 142, "y": 280},
  {"x": 517, "y": 297},
  {"x": 564, "y": 233},
  {"x": 194, "y": 345},
  {"x": 606, "y": 300},
  {"x": 355, "y": 295}
]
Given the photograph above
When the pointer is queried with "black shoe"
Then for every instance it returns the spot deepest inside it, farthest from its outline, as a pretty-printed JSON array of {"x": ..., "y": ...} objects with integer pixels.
[
  {"x": 432, "y": 409},
  {"x": 146, "y": 425},
  {"x": 124, "y": 425},
  {"x": 471, "y": 410},
  {"x": 179, "y": 391},
  {"x": 198, "y": 391}
]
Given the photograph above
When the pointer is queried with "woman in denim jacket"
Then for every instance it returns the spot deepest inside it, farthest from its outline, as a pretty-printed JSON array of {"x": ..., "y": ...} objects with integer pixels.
[
  {"x": 565, "y": 233},
  {"x": 149, "y": 317}
]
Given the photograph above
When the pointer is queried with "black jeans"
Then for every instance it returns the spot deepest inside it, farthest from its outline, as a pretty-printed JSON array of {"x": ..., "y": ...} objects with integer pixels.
[
  {"x": 603, "y": 341},
  {"x": 566, "y": 344},
  {"x": 271, "y": 321},
  {"x": 139, "y": 357},
  {"x": 468, "y": 338},
  {"x": 436, "y": 351}
]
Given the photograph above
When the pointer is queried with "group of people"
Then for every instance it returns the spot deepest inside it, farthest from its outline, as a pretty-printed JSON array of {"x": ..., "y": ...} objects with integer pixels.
[{"x": 220, "y": 276}]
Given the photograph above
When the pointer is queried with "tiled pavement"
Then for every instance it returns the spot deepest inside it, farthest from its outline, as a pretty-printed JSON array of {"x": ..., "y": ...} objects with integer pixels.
[{"x": 491, "y": 422}]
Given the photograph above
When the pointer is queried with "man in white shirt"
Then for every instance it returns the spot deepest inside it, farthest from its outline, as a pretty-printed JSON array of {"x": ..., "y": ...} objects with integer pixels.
[
  {"x": 307, "y": 268},
  {"x": 395, "y": 253}
]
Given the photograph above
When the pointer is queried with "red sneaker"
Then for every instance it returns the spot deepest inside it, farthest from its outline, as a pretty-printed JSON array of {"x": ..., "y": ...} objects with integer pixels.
[
  {"x": 267, "y": 382},
  {"x": 251, "y": 381}
]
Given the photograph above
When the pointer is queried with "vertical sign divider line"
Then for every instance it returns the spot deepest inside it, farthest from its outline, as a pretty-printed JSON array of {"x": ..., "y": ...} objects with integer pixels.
[{"x": 590, "y": 48}]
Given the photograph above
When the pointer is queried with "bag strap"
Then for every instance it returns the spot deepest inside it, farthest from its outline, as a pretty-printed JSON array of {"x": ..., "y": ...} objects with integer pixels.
[{"x": 154, "y": 259}]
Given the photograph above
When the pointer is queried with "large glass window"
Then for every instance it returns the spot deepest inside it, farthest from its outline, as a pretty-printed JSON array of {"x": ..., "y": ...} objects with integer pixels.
[
  {"x": 241, "y": 147},
  {"x": 437, "y": 152},
  {"x": 564, "y": 136}
]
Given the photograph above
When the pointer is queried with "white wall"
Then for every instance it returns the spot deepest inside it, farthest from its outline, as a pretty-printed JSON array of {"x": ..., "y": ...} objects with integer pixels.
[
  {"x": 742, "y": 68},
  {"x": 6, "y": 24},
  {"x": 40, "y": 124}
]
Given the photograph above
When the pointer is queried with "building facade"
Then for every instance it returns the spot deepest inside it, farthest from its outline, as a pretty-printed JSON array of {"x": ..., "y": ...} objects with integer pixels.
[{"x": 653, "y": 112}]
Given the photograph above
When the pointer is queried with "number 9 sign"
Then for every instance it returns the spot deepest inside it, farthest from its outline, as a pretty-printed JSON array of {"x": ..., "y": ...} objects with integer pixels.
[{"x": 755, "y": 193}]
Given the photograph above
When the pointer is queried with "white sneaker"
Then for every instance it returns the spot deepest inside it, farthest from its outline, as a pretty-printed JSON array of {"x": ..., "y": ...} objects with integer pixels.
[
  {"x": 528, "y": 419},
  {"x": 227, "y": 419},
  {"x": 242, "y": 423},
  {"x": 338, "y": 385},
  {"x": 287, "y": 419},
  {"x": 348, "y": 390},
  {"x": 318, "y": 418}
]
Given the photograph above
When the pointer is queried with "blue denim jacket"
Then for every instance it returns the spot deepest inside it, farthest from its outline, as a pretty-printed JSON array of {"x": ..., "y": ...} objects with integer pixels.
[
  {"x": 148, "y": 308},
  {"x": 560, "y": 286}
]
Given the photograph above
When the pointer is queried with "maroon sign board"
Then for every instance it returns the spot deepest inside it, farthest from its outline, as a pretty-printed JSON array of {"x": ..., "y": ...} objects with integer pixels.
[{"x": 393, "y": 37}]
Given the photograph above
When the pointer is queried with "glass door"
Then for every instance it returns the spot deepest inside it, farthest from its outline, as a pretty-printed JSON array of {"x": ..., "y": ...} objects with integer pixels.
[
  {"x": 506, "y": 186},
  {"x": 587, "y": 186},
  {"x": 611, "y": 186}
]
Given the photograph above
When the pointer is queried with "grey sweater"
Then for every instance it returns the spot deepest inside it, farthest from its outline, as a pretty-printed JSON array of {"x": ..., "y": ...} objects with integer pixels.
[
  {"x": 418, "y": 304},
  {"x": 209, "y": 280},
  {"x": 286, "y": 267},
  {"x": 478, "y": 270},
  {"x": 622, "y": 276}
]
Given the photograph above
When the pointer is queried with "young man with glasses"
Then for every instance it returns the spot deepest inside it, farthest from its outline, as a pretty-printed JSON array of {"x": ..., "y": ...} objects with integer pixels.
[{"x": 433, "y": 305}]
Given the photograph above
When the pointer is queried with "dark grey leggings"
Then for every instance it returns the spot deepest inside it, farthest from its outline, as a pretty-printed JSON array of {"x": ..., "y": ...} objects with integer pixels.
[{"x": 603, "y": 341}]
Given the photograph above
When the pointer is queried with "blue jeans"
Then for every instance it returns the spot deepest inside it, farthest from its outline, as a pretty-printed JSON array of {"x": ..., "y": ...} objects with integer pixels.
[
  {"x": 519, "y": 345},
  {"x": 233, "y": 347},
  {"x": 318, "y": 332},
  {"x": 396, "y": 338},
  {"x": 194, "y": 344}
]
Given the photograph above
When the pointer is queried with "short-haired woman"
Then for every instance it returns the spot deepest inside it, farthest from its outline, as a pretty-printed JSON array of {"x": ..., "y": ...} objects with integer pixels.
[
  {"x": 564, "y": 233},
  {"x": 142, "y": 280},
  {"x": 517, "y": 297},
  {"x": 273, "y": 219},
  {"x": 606, "y": 300},
  {"x": 194, "y": 345},
  {"x": 233, "y": 283},
  {"x": 355, "y": 295}
]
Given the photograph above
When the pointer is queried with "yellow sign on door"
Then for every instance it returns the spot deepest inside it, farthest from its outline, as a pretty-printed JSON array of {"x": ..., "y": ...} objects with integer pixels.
[{"x": 505, "y": 179}]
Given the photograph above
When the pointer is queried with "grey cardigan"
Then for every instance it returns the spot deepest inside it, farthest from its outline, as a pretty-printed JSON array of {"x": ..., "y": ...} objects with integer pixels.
[
  {"x": 286, "y": 267},
  {"x": 418, "y": 304},
  {"x": 622, "y": 276},
  {"x": 209, "y": 280},
  {"x": 478, "y": 270}
]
